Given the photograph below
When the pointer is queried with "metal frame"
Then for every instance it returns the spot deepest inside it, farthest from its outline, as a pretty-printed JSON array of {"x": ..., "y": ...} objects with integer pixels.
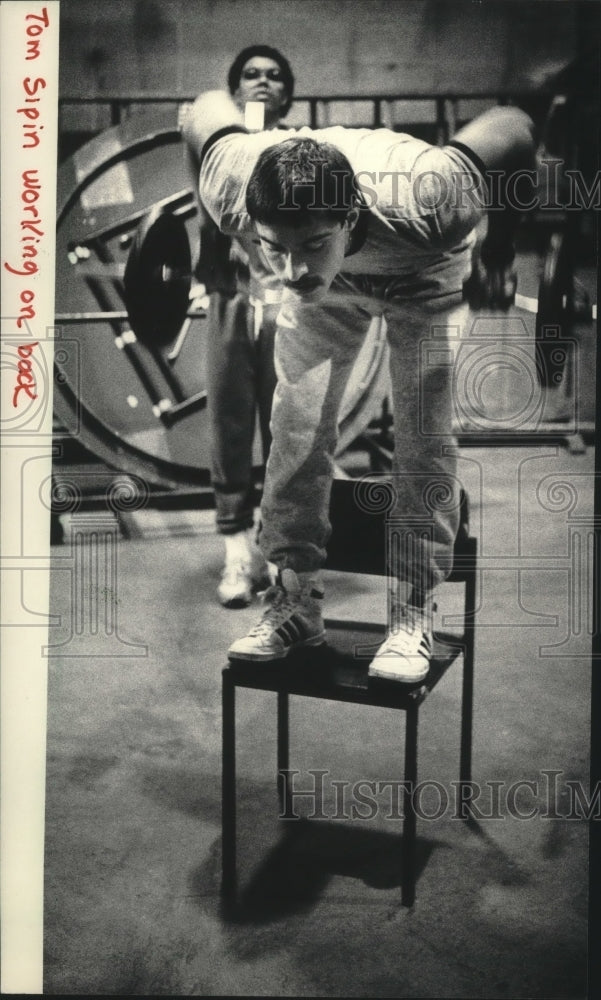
[{"x": 446, "y": 104}]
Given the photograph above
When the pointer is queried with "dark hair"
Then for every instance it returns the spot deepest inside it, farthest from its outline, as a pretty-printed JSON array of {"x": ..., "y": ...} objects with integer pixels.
[
  {"x": 297, "y": 177},
  {"x": 235, "y": 71}
]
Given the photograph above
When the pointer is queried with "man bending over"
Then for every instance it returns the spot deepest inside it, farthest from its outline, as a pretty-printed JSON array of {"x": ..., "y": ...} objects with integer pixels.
[{"x": 357, "y": 223}]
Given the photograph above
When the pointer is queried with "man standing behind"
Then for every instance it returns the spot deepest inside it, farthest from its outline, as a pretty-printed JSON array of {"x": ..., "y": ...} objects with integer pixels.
[{"x": 244, "y": 296}]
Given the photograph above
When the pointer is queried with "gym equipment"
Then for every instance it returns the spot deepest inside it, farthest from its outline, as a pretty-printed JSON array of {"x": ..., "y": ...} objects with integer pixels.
[
  {"x": 130, "y": 369},
  {"x": 130, "y": 380},
  {"x": 555, "y": 310},
  {"x": 158, "y": 278}
]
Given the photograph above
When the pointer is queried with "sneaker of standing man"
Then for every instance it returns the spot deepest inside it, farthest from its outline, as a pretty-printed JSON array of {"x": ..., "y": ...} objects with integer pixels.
[
  {"x": 406, "y": 652},
  {"x": 293, "y": 619}
]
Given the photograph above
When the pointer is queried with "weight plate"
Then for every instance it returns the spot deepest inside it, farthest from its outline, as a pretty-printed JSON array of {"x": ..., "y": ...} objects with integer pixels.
[
  {"x": 158, "y": 277},
  {"x": 114, "y": 395}
]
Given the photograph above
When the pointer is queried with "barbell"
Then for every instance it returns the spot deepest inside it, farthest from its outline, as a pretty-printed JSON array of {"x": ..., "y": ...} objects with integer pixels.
[
  {"x": 557, "y": 309},
  {"x": 158, "y": 278}
]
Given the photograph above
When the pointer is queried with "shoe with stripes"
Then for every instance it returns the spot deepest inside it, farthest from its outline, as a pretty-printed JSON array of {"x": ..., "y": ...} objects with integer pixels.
[
  {"x": 406, "y": 652},
  {"x": 292, "y": 620}
]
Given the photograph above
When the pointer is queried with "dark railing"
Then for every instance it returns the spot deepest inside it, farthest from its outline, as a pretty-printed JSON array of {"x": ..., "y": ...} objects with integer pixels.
[{"x": 445, "y": 118}]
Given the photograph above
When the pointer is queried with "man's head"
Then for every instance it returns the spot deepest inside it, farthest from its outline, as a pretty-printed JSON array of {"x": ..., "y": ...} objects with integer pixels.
[
  {"x": 260, "y": 73},
  {"x": 303, "y": 199}
]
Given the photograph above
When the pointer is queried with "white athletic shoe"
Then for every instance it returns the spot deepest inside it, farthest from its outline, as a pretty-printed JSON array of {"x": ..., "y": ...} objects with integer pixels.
[
  {"x": 292, "y": 619},
  {"x": 245, "y": 571},
  {"x": 406, "y": 652}
]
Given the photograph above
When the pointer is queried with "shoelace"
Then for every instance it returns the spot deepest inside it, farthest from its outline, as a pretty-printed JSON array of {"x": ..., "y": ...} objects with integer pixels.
[
  {"x": 237, "y": 570},
  {"x": 281, "y": 605},
  {"x": 409, "y": 626},
  {"x": 409, "y": 617}
]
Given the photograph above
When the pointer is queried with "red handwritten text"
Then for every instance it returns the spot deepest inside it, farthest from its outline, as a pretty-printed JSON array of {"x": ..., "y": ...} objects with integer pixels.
[
  {"x": 34, "y": 31},
  {"x": 25, "y": 378},
  {"x": 32, "y": 233},
  {"x": 31, "y": 115}
]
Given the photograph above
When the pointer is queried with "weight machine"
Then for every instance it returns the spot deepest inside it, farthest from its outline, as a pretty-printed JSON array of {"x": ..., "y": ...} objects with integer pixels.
[{"x": 129, "y": 359}]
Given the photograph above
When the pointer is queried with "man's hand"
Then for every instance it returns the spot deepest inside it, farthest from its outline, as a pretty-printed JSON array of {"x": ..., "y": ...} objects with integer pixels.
[
  {"x": 215, "y": 268},
  {"x": 493, "y": 281},
  {"x": 211, "y": 112}
]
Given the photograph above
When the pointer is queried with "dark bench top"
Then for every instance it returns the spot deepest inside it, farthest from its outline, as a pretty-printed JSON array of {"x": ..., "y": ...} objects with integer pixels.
[{"x": 334, "y": 671}]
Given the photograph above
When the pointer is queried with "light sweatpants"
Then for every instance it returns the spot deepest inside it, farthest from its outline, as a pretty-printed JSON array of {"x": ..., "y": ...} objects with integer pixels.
[{"x": 315, "y": 349}]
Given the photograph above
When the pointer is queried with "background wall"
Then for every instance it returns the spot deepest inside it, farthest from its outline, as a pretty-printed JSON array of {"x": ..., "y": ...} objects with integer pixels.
[{"x": 337, "y": 47}]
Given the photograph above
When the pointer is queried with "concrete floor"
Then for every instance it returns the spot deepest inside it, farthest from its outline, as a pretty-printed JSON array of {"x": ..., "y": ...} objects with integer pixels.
[{"x": 132, "y": 903}]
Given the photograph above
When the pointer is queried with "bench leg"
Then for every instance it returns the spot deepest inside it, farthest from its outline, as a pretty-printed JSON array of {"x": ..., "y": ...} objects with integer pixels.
[
  {"x": 283, "y": 754},
  {"x": 467, "y": 694},
  {"x": 228, "y": 788},
  {"x": 409, "y": 821}
]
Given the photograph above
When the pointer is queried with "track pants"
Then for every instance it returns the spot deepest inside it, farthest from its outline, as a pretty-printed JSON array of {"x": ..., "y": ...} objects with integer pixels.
[{"x": 315, "y": 349}]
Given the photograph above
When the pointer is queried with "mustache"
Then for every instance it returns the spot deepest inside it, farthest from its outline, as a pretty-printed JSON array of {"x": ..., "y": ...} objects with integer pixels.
[{"x": 303, "y": 284}]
